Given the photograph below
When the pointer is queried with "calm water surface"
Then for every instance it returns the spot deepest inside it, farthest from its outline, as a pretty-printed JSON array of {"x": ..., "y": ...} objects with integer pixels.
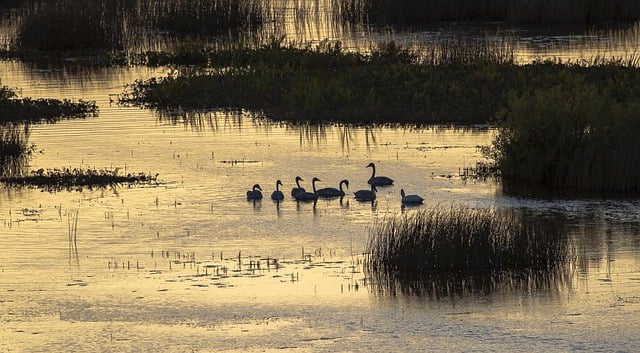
[{"x": 172, "y": 267}]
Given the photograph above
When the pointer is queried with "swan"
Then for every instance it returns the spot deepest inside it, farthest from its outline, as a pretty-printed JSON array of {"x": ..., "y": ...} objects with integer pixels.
[
  {"x": 308, "y": 196},
  {"x": 255, "y": 193},
  {"x": 377, "y": 180},
  {"x": 366, "y": 195},
  {"x": 410, "y": 199},
  {"x": 333, "y": 192},
  {"x": 277, "y": 195},
  {"x": 297, "y": 189}
]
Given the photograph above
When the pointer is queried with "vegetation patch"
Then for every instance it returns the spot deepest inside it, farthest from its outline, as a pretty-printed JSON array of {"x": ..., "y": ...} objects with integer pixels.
[
  {"x": 512, "y": 11},
  {"x": 77, "y": 179},
  {"x": 459, "y": 244},
  {"x": 28, "y": 110}
]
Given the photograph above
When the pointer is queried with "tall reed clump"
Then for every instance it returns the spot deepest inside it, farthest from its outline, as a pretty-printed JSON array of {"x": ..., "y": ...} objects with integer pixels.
[
  {"x": 463, "y": 242},
  {"x": 514, "y": 11},
  {"x": 581, "y": 134},
  {"x": 14, "y": 149},
  {"x": 73, "y": 25},
  {"x": 203, "y": 17}
]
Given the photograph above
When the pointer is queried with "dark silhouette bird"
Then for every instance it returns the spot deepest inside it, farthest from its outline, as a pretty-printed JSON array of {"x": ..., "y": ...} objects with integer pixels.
[{"x": 378, "y": 180}]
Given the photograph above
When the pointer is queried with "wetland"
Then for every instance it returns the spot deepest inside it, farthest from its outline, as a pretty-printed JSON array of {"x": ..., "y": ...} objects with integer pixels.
[{"x": 150, "y": 244}]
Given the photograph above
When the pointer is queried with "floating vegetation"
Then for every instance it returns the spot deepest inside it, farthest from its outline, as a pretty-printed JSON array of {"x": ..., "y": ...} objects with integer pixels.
[
  {"x": 77, "y": 179},
  {"x": 458, "y": 246}
]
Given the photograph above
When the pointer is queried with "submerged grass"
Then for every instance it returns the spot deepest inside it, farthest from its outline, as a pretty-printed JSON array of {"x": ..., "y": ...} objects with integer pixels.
[{"x": 450, "y": 245}]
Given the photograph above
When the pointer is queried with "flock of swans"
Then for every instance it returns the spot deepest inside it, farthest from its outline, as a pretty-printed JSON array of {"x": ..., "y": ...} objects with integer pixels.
[{"x": 300, "y": 194}]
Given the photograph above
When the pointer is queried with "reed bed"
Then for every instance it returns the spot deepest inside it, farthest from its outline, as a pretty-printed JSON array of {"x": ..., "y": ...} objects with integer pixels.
[
  {"x": 87, "y": 26},
  {"x": 203, "y": 17},
  {"x": 462, "y": 242},
  {"x": 76, "y": 179},
  {"x": 513, "y": 11}
]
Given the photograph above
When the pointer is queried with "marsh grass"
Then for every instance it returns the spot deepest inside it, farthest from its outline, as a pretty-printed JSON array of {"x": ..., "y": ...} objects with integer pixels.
[
  {"x": 513, "y": 11},
  {"x": 76, "y": 179},
  {"x": 203, "y": 17},
  {"x": 461, "y": 242},
  {"x": 83, "y": 27},
  {"x": 327, "y": 83},
  {"x": 577, "y": 135},
  {"x": 14, "y": 148}
]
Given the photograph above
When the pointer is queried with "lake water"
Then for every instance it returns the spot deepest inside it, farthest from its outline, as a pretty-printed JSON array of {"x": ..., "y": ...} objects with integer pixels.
[
  {"x": 157, "y": 268},
  {"x": 191, "y": 265}
]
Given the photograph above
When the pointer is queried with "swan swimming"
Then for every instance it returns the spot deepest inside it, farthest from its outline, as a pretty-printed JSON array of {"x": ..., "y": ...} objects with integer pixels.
[
  {"x": 255, "y": 193},
  {"x": 378, "y": 180},
  {"x": 297, "y": 189},
  {"x": 333, "y": 192},
  {"x": 277, "y": 195},
  {"x": 410, "y": 199},
  {"x": 366, "y": 195},
  {"x": 308, "y": 196}
]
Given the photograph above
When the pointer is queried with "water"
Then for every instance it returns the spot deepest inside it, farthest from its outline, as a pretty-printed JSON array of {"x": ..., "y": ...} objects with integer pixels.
[
  {"x": 155, "y": 268},
  {"x": 173, "y": 267}
]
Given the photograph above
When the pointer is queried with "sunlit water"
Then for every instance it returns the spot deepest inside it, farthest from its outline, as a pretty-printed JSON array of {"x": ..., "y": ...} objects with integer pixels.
[{"x": 173, "y": 267}]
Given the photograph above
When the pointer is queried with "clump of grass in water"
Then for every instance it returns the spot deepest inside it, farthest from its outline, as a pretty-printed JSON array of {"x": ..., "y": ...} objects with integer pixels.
[
  {"x": 14, "y": 109},
  {"x": 462, "y": 246},
  {"x": 70, "y": 179},
  {"x": 14, "y": 151}
]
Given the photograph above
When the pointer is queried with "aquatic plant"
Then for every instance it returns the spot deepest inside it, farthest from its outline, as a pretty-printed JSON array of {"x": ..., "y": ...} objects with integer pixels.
[
  {"x": 85, "y": 27},
  {"x": 202, "y": 17},
  {"x": 290, "y": 83},
  {"x": 77, "y": 178},
  {"x": 14, "y": 109},
  {"x": 14, "y": 149},
  {"x": 458, "y": 243},
  {"x": 578, "y": 135},
  {"x": 514, "y": 11}
]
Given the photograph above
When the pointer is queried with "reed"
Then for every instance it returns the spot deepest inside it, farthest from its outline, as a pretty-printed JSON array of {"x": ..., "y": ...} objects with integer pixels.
[
  {"x": 461, "y": 242},
  {"x": 75, "y": 179},
  {"x": 203, "y": 17},
  {"x": 514, "y": 11},
  {"x": 73, "y": 25},
  {"x": 578, "y": 135},
  {"x": 291, "y": 83},
  {"x": 28, "y": 110},
  {"x": 14, "y": 148},
  {"x": 87, "y": 26}
]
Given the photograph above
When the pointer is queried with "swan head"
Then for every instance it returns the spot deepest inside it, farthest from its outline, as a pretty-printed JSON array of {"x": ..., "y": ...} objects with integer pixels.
[
  {"x": 257, "y": 186},
  {"x": 298, "y": 178},
  {"x": 315, "y": 179},
  {"x": 370, "y": 165},
  {"x": 345, "y": 182},
  {"x": 278, "y": 182},
  {"x": 402, "y": 192}
]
